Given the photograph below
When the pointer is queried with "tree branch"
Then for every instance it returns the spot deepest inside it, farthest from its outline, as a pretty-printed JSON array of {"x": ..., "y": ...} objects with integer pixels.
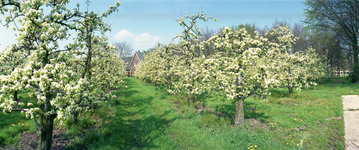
[{"x": 38, "y": 126}]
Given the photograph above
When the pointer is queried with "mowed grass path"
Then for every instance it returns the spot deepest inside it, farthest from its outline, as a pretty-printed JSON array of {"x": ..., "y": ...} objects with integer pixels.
[{"x": 146, "y": 118}]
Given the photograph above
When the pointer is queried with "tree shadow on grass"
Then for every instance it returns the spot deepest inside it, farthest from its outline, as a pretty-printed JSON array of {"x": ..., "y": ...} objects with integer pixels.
[
  {"x": 144, "y": 132},
  {"x": 131, "y": 133},
  {"x": 132, "y": 125}
]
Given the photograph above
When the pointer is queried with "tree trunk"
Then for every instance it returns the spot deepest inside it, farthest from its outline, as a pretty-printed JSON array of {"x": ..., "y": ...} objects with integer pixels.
[
  {"x": 190, "y": 96},
  {"x": 45, "y": 139},
  {"x": 355, "y": 77},
  {"x": 290, "y": 88},
  {"x": 15, "y": 96},
  {"x": 261, "y": 94},
  {"x": 239, "y": 115},
  {"x": 74, "y": 121},
  {"x": 331, "y": 68},
  {"x": 87, "y": 67},
  {"x": 168, "y": 82},
  {"x": 46, "y": 124}
]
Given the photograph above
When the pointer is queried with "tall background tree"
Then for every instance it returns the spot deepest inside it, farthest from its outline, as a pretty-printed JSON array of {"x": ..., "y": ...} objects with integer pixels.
[
  {"x": 123, "y": 49},
  {"x": 302, "y": 42},
  {"x": 343, "y": 14},
  {"x": 207, "y": 33}
]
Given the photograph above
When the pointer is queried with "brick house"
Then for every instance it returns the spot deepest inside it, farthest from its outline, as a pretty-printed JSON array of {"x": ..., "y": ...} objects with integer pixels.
[
  {"x": 137, "y": 57},
  {"x": 127, "y": 61}
]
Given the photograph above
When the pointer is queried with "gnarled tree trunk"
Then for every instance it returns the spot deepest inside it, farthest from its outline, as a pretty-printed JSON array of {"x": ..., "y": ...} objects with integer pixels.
[
  {"x": 45, "y": 139},
  {"x": 46, "y": 126}
]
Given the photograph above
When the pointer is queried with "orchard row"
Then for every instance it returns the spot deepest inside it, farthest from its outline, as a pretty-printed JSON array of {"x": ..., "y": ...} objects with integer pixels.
[{"x": 241, "y": 65}]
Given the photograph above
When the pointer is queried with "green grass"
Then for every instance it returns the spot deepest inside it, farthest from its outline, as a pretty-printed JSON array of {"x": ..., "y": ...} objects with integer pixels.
[
  {"x": 12, "y": 125},
  {"x": 147, "y": 117},
  {"x": 297, "y": 118}
]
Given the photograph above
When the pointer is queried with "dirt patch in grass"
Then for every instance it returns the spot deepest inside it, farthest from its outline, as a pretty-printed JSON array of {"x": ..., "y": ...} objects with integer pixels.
[
  {"x": 294, "y": 104},
  {"x": 299, "y": 128},
  {"x": 29, "y": 140},
  {"x": 200, "y": 108},
  {"x": 334, "y": 139},
  {"x": 254, "y": 123}
]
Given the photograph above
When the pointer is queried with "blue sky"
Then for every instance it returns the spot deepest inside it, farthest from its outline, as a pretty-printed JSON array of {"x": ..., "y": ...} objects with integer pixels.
[{"x": 144, "y": 22}]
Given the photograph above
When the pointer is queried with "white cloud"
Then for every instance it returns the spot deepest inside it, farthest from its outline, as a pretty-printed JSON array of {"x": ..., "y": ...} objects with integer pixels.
[
  {"x": 124, "y": 34},
  {"x": 140, "y": 42},
  {"x": 146, "y": 39}
]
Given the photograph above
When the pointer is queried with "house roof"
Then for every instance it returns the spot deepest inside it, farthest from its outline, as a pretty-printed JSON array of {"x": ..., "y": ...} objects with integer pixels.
[
  {"x": 141, "y": 55},
  {"x": 128, "y": 61}
]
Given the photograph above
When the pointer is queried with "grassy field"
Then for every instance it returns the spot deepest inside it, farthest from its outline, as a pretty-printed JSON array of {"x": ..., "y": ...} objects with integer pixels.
[{"x": 147, "y": 117}]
